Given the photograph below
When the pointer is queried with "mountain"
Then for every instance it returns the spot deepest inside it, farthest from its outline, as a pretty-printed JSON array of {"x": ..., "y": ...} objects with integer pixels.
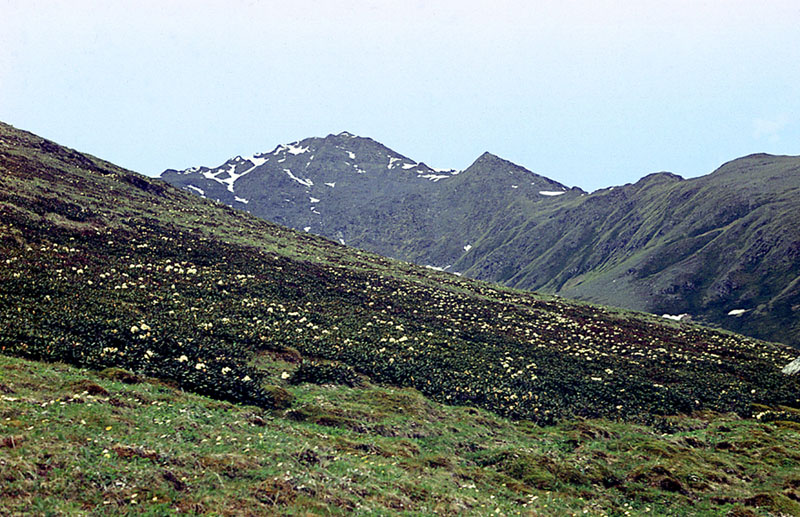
[
  {"x": 340, "y": 379},
  {"x": 359, "y": 192},
  {"x": 723, "y": 249}
]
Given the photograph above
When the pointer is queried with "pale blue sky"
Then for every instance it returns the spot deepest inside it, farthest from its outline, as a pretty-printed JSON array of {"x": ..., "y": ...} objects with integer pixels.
[{"x": 589, "y": 93}]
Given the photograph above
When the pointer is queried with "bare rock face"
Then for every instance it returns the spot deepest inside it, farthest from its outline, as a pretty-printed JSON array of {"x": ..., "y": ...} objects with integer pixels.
[{"x": 792, "y": 368}]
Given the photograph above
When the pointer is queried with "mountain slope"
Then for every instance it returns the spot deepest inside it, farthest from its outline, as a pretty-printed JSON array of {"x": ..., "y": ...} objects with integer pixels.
[
  {"x": 357, "y": 191},
  {"x": 722, "y": 248},
  {"x": 108, "y": 268}
]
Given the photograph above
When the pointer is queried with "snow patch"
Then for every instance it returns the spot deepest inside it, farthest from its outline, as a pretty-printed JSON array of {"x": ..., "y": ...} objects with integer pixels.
[
  {"x": 307, "y": 229},
  {"x": 468, "y": 247},
  {"x": 351, "y": 155},
  {"x": 407, "y": 166},
  {"x": 392, "y": 161},
  {"x": 443, "y": 269},
  {"x": 241, "y": 199},
  {"x": 232, "y": 176},
  {"x": 332, "y": 184},
  {"x": 792, "y": 368},
  {"x": 514, "y": 186},
  {"x": 212, "y": 175},
  {"x": 737, "y": 312},
  {"x": 314, "y": 200},
  {"x": 198, "y": 190},
  {"x": 257, "y": 161},
  {"x": 434, "y": 177},
  {"x": 306, "y": 182},
  {"x": 295, "y": 149},
  {"x": 551, "y": 192},
  {"x": 676, "y": 317}
]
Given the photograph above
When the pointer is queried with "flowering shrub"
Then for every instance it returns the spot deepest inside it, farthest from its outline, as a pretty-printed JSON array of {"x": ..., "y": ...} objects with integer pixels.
[{"x": 317, "y": 372}]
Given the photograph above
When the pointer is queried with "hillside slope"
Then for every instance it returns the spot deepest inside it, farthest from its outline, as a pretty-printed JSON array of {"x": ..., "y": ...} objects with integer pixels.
[
  {"x": 80, "y": 442},
  {"x": 723, "y": 248},
  {"x": 107, "y": 268},
  {"x": 728, "y": 241}
]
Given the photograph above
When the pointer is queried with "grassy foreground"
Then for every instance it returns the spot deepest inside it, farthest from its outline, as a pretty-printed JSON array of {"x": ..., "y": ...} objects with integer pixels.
[{"x": 83, "y": 442}]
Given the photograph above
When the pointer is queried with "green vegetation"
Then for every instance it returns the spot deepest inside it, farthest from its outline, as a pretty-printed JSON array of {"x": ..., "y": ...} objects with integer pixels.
[
  {"x": 74, "y": 442},
  {"x": 339, "y": 358}
]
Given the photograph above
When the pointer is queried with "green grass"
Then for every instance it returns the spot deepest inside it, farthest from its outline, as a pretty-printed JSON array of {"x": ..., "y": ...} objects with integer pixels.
[{"x": 76, "y": 442}]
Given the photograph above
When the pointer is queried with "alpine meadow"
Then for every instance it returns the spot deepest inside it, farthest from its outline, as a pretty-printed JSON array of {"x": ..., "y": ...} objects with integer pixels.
[{"x": 164, "y": 353}]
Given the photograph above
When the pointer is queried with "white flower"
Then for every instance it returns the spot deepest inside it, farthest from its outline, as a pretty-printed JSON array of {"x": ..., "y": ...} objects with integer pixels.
[
  {"x": 134, "y": 329},
  {"x": 148, "y": 354},
  {"x": 144, "y": 326},
  {"x": 200, "y": 366},
  {"x": 285, "y": 375},
  {"x": 246, "y": 378},
  {"x": 182, "y": 359},
  {"x": 225, "y": 370}
]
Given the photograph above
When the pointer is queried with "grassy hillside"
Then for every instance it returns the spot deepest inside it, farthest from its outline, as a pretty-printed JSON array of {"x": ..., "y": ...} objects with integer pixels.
[
  {"x": 80, "y": 442},
  {"x": 103, "y": 268}
]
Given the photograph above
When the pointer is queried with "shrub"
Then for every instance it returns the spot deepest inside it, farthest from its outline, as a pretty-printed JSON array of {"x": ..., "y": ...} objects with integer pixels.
[{"x": 326, "y": 373}]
